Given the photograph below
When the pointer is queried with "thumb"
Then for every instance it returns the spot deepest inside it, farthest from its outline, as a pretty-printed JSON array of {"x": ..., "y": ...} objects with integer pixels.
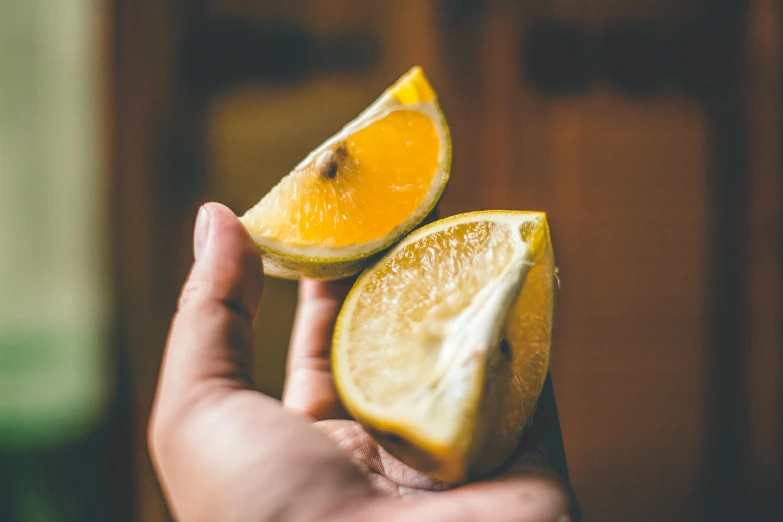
[{"x": 210, "y": 344}]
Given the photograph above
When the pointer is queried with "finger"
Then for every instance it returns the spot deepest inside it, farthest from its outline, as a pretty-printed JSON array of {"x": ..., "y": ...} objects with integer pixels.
[
  {"x": 210, "y": 344},
  {"x": 309, "y": 386},
  {"x": 541, "y": 453},
  {"x": 524, "y": 500},
  {"x": 541, "y": 449}
]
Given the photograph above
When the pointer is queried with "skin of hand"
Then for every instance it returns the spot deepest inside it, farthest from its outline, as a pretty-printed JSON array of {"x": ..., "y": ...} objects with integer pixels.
[{"x": 223, "y": 451}]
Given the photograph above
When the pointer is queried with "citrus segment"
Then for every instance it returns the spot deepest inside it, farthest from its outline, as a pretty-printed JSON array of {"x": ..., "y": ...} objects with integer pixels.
[
  {"x": 360, "y": 191},
  {"x": 442, "y": 347}
]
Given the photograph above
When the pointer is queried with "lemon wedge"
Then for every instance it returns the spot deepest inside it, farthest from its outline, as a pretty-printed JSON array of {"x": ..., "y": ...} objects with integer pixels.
[
  {"x": 360, "y": 191},
  {"x": 442, "y": 347}
]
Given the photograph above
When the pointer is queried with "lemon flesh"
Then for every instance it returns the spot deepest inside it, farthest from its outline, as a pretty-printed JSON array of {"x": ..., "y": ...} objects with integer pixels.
[
  {"x": 441, "y": 349},
  {"x": 360, "y": 191}
]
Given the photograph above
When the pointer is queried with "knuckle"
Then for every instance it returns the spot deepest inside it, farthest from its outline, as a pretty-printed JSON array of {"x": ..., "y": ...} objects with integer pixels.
[{"x": 190, "y": 290}]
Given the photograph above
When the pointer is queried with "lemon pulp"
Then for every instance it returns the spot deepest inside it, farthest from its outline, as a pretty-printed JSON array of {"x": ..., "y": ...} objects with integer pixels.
[{"x": 357, "y": 190}]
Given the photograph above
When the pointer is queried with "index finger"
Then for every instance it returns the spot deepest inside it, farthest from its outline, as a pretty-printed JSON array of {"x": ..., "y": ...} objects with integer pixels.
[{"x": 309, "y": 385}]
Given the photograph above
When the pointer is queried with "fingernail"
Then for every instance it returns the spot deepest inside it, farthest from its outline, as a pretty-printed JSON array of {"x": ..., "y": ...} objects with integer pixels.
[
  {"x": 563, "y": 518},
  {"x": 201, "y": 233}
]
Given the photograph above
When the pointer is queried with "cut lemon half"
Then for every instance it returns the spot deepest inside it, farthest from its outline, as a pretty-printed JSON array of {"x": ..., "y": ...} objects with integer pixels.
[
  {"x": 442, "y": 347},
  {"x": 360, "y": 191}
]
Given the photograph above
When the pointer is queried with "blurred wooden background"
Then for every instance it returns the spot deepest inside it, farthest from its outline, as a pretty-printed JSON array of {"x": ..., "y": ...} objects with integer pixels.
[{"x": 664, "y": 207}]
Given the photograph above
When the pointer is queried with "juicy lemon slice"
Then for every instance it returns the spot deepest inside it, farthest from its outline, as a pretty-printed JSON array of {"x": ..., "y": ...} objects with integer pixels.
[
  {"x": 441, "y": 348},
  {"x": 360, "y": 191}
]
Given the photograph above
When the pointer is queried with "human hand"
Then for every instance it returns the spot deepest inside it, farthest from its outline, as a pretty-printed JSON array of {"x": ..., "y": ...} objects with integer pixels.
[{"x": 224, "y": 451}]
